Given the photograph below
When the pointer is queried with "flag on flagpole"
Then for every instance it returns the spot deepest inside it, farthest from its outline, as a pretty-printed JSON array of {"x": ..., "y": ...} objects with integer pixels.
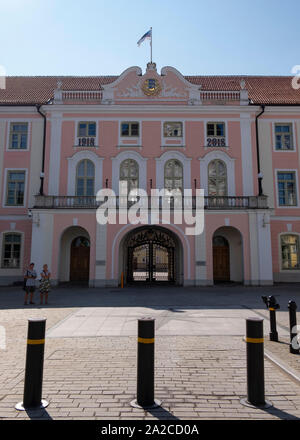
[{"x": 147, "y": 35}]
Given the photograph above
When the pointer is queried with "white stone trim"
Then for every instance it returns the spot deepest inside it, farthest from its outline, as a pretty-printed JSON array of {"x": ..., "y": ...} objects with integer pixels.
[
  {"x": 288, "y": 170},
  {"x": 72, "y": 164},
  {"x": 160, "y": 168},
  {"x": 294, "y": 128},
  {"x": 179, "y": 138},
  {"x": 182, "y": 239},
  {"x": 246, "y": 153},
  {"x": 204, "y": 162},
  {"x": 12, "y": 271},
  {"x": 55, "y": 157},
  {"x": 137, "y": 140},
  {"x": 264, "y": 247},
  {"x": 76, "y": 137},
  {"x": 29, "y": 133},
  {"x": 225, "y": 121},
  {"x": 116, "y": 162},
  {"x": 289, "y": 271},
  {"x": 4, "y": 205}
]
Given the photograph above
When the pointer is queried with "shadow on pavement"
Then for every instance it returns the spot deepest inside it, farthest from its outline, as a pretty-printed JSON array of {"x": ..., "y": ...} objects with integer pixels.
[
  {"x": 280, "y": 414},
  {"x": 38, "y": 414},
  {"x": 158, "y": 297},
  {"x": 162, "y": 414}
]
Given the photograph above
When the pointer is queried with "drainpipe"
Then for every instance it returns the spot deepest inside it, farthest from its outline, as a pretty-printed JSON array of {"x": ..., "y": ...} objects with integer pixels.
[
  {"x": 42, "y": 175},
  {"x": 260, "y": 190}
]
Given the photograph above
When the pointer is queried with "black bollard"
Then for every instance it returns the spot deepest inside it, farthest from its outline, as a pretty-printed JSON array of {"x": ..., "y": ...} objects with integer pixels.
[
  {"x": 33, "y": 383},
  {"x": 272, "y": 306},
  {"x": 255, "y": 364},
  {"x": 294, "y": 344},
  {"x": 145, "y": 365}
]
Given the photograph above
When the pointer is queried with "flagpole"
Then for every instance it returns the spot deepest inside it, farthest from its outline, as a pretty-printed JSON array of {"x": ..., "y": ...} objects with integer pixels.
[{"x": 151, "y": 46}]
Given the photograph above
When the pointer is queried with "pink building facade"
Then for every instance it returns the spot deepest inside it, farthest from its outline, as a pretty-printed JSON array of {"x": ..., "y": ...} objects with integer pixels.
[{"x": 64, "y": 139}]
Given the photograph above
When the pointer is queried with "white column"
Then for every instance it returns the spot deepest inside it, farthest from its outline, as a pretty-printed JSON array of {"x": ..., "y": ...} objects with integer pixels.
[
  {"x": 246, "y": 150},
  {"x": 100, "y": 269},
  {"x": 42, "y": 241},
  {"x": 254, "y": 259},
  {"x": 264, "y": 248},
  {"x": 200, "y": 259},
  {"x": 55, "y": 146}
]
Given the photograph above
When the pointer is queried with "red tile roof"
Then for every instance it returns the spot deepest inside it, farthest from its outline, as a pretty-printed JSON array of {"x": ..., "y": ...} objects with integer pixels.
[
  {"x": 39, "y": 89},
  {"x": 261, "y": 89}
]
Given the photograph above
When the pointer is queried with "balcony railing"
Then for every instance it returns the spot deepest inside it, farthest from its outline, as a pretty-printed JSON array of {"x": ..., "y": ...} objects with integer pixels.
[{"x": 210, "y": 202}]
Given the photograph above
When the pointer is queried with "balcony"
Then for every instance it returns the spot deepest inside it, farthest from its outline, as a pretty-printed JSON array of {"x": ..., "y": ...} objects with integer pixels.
[{"x": 210, "y": 202}]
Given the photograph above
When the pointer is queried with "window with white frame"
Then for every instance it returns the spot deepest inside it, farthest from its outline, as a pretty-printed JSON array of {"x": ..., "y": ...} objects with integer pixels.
[
  {"x": 129, "y": 177},
  {"x": 173, "y": 129},
  {"x": 290, "y": 256},
  {"x": 85, "y": 178},
  {"x": 18, "y": 138},
  {"x": 284, "y": 136},
  {"x": 86, "y": 129},
  {"x": 11, "y": 251},
  {"x": 173, "y": 175},
  {"x": 286, "y": 182},
  {"x": 130, "y": 129},
  {"x": 86, "y": 134},
  {"x": 215, "y": 134},
  {"x": 15, "y": 188},
  {"x": 217, "y": 178}
]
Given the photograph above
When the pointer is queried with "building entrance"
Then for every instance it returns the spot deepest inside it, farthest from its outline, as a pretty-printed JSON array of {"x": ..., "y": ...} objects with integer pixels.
[{"x": 150, "y": 257}]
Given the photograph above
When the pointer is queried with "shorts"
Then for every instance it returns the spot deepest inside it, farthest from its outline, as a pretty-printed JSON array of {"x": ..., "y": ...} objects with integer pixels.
[{"x": 29, "y": 289}]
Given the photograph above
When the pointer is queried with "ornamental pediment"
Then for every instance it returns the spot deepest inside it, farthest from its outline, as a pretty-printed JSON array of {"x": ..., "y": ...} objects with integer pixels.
[{"x": 168, "y": 87}]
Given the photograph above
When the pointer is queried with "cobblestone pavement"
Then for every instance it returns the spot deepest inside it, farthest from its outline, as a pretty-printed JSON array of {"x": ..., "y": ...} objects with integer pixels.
[{"x": 197, "y": 376}]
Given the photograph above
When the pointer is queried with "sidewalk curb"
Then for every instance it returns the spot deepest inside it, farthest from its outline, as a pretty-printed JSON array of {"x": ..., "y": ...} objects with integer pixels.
[{"x": 290, "y": 371}]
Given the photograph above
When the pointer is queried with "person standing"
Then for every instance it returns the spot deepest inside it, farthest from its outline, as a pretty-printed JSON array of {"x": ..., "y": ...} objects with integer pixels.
[
  {"x": 30, "y": 276},
  {"x": 45, "y": 284}
]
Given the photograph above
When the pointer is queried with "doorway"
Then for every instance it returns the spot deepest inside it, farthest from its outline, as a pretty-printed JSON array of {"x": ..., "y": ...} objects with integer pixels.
[
  {"x": 221, "y": 259},
  {"x": 80, "y": 259}
]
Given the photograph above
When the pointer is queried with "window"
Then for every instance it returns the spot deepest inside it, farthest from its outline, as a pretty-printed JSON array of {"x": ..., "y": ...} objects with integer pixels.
[
  {"x": 290, "y": 252},
  {"x": 130, "y": 129},
  {"x": 18, "y": 136},
  {"x": 215, "y": 129},
  {"x": 215, "y": 132},
  {"x": 283, "y": 137},
  {"x": 174, "y": 175},
  {"x": 87, "y": 129},
  {"x": 129, "y": 175},
  {"x": 286, "y": 182},
  {"x": 172, "y": 129},
  {"x": 15, "y": 188},
  {"x": 11, "y": 251},
  {"x": 85, "y": 178},
  {"x": 217, "y": 178}
]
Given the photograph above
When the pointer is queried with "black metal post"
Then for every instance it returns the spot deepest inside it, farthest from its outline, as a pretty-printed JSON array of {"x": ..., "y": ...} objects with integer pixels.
[
  {"x": 272, "y": 306},
  {"x": 294, "y": 344},
  {"x": 145, "y": 365},
  {"x": 255, "y": 364},
  {"x": 33, "y": 383}
]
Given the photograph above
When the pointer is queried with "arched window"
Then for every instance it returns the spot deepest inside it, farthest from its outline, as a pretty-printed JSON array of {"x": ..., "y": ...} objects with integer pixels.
[
  {"x": 290, "y": 253},
  {"x": 217, "y": 178},
  {"x": 173, "y": 175},
  {"x": 85, "y": 178},
  {"x": 129, "y": 176}
]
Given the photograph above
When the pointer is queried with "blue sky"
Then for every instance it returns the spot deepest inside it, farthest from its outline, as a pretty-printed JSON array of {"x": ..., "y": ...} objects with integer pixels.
[{"x": 99, "y": 37}]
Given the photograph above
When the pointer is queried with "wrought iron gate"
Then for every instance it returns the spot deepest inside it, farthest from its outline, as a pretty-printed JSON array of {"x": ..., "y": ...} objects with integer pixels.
[{"x": 150, "y": 257}]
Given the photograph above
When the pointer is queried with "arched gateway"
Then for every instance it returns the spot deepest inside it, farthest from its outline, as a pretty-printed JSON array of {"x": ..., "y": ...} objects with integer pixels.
[{"x": 152, "y": 255}]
